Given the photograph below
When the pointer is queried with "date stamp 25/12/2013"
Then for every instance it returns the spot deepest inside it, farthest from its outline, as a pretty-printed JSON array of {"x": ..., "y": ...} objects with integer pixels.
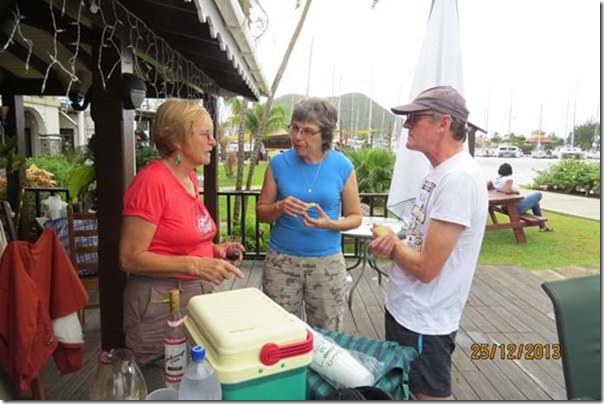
[{"x": 515, "y": 351}]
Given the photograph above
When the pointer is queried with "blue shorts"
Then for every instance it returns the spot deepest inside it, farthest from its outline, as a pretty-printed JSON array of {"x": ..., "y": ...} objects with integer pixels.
[{"x": 431, "y": 371}]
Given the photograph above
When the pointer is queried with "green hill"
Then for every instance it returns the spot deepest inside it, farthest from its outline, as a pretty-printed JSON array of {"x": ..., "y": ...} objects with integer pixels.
[{"x": 354, "y": 117}]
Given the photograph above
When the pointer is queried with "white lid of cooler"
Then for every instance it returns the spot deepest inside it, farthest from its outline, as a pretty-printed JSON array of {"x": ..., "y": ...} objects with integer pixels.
[{"x": 234, "y": 326}]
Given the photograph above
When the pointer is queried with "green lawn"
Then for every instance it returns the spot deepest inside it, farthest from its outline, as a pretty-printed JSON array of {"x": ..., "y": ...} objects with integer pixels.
[
  {"x": 574, "y": 242},
  {"x": 224, "y": 181}
]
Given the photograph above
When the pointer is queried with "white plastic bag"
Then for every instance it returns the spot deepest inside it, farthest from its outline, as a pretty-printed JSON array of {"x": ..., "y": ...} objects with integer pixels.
[
  {"x": 342, "y": 367},
  {"x": 56, "y": 207}
]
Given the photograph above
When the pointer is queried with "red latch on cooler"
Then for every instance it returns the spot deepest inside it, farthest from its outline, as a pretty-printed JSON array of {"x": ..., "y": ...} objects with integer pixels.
[{"x": 272, "y": 353}]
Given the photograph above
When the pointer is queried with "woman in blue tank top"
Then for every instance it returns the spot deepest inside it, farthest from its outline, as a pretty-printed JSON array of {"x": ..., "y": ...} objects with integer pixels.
[{"x": 310, "y": 194}]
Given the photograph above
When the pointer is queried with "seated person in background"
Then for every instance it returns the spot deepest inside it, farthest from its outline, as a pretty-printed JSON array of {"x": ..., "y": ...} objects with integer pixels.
[{"x": 505, "y": 183}]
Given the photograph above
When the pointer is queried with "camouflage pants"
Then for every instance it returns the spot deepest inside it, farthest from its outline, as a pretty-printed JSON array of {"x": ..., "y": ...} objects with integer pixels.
[{"x": 318, "y": 282}]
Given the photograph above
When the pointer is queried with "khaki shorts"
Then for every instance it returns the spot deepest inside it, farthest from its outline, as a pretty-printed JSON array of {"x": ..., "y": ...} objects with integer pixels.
[
  {"x": 319, "y": 282},
  {"x": 145, "y": 315}
]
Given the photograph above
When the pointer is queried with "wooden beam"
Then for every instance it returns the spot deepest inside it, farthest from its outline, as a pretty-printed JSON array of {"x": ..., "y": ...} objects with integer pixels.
[
  {"x": 472, "y": 141},
  {"x": 12, "y": 85},
  {"x": 210, "y": 172},
  {"x": 38, "y": 16},
  {"x": 114, "y": 162},
  {"x": 15, "y": 126}
]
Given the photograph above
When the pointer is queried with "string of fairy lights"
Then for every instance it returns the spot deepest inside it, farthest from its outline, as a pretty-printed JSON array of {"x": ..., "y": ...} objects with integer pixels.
[{"x": 163, "y": 68}]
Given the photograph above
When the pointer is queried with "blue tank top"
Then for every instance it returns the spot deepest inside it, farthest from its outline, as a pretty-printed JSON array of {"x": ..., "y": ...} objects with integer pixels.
[{"x": 294, "y": 177}]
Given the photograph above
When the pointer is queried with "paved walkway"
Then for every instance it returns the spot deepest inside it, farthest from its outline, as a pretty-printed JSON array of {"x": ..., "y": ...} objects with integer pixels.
[{"x": 573, "y": 205}]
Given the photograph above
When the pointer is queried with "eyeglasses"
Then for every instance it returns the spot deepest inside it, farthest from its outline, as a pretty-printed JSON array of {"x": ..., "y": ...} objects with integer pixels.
[
  {"x": 304, "y": 131},
  {"x": 412, "y": 119},
  {"x": 208, "y": 135}
]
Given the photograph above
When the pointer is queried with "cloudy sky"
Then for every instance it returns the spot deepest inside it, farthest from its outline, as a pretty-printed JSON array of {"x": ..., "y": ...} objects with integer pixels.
[{"x": 518, "y": 56}]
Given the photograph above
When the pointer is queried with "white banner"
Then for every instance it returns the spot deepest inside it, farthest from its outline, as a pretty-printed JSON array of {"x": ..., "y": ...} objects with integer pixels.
[{"x": 439, "y": 63}]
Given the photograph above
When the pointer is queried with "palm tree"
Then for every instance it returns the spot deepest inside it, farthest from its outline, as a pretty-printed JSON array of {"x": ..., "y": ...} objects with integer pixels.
[
  {"x": 239, "y": 107},
  {"x": 268, "y": 105},
  {"x": 248, "y": 120},
  {"x": 277, "y": 119}
]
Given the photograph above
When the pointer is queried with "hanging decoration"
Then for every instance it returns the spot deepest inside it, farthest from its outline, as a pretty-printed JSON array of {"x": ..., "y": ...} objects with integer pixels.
[{"x": 163, "y": 68}]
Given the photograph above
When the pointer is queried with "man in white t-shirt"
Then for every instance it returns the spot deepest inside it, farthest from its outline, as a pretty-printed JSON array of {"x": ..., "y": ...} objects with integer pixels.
[{"x": 432, "y": 269}]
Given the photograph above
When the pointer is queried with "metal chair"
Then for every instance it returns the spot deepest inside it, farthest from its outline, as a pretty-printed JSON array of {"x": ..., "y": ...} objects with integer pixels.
[{"x": 577, "y": 307}]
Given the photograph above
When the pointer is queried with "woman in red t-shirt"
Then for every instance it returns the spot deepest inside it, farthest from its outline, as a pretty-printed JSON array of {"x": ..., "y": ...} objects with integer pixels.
[{"x": 167, "y": 232}]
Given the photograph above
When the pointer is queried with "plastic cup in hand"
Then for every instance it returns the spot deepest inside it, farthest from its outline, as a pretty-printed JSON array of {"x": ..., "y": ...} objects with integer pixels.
[{"x": 233, "y": 253}]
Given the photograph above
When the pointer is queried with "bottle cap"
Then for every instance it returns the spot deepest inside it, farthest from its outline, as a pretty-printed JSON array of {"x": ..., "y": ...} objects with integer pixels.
[{"x": 198, "y": 353}]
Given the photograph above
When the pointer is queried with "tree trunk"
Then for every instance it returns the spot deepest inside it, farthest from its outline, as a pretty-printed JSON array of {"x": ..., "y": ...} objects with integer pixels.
[
  {"x": 240, "y": 162},
  {"x": 267, "y": 106}
]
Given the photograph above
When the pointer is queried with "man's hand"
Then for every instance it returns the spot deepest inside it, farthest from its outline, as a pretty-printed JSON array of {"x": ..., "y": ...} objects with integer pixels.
[{"x": 384, "y": 240}]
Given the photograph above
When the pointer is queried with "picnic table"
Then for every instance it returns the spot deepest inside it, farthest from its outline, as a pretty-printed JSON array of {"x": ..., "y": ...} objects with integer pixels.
[{"x": 506, "y": 204}]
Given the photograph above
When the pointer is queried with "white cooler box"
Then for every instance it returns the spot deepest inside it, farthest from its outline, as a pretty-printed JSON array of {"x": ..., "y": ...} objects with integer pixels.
[{"x": 258, "y": 350}]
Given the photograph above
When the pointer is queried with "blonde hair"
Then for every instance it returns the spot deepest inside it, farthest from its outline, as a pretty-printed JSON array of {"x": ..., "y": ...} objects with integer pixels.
[{"x": 174, "y": 121}]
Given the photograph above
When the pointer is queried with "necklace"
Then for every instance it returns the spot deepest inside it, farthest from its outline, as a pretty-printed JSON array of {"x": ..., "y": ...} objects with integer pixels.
[{"x": 312, "y": 184}]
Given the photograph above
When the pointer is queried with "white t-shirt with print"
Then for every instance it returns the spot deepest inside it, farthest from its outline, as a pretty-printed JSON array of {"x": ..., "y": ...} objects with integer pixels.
[{"x": 454, "y": 192}]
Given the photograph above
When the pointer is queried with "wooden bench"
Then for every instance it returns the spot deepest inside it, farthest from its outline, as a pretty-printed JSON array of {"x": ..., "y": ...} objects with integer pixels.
[
  {"x": 528, "y": 219},
  {"x": 506, "y": 204}
]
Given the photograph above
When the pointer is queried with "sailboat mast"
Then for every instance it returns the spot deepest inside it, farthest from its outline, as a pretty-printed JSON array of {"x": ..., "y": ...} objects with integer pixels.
[
  {"x": 312, "y": 40},
  {"x": 369, "y": 133},
  {"x": 540, "y": 121}
]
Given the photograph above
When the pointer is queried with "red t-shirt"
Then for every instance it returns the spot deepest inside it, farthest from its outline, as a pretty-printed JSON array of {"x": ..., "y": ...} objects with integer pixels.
[{"x": 184, "y": 226}]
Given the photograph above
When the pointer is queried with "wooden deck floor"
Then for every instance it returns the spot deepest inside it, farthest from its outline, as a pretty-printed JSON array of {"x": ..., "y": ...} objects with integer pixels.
[{"x": 506, "y": 306}]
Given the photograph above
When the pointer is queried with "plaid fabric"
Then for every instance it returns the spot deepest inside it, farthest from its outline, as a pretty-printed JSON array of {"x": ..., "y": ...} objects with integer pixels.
[
  {"x": 395, "y": 375},
  {"x": 60, "y": 226}
]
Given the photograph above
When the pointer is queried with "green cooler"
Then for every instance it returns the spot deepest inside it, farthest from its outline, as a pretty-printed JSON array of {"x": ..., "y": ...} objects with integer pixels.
[{"x": 258, "y": 350}]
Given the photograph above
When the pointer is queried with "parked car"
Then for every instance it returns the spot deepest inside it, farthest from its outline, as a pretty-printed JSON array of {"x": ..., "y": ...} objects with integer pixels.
[
  {"x": 508, "y": 151},
  {"x": 539, "y": 153},
  {"x": 568, "y": 151},
  {"x": 593, "y": 154}
]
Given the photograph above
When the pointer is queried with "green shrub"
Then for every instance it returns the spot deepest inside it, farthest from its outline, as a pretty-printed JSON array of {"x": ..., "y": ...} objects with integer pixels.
[
  {"x": 61, "y": 165},
  {"x": 144, "y": 154},
  {"x": 373, "y": 168},
  {"x": 250, "y": 235},
  {"x": 570, "y": 176}
]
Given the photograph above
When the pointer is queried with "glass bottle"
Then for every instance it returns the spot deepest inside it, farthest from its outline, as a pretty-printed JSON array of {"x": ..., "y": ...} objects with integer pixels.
[
  {"x": 118, "y": 377},
  {"x": 175, "y": 344}
]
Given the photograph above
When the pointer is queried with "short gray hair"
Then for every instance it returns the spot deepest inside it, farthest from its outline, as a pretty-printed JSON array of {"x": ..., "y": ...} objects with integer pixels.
[
  {"x": 320, "y": 111},
  {"x": 459, "y": 129}
]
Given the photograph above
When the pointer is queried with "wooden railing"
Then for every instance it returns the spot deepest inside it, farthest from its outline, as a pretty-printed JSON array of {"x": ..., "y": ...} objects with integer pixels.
[
  {"x": 229, "y": 222},
  {"x": 375, "y": 204}
]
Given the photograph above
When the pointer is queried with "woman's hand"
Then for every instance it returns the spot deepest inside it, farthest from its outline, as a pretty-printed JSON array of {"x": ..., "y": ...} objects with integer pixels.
[
  {"x": 220, "y": 250},
  {"x": 292, "y": 206},
  {"x": 322, "y": 222},
  {"x": 215, "y": 270},
  {"x": 384, "y": 240}
]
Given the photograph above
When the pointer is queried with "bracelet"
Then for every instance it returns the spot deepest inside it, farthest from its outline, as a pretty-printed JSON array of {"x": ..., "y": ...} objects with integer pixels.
[{"x": 277, "y": 206}]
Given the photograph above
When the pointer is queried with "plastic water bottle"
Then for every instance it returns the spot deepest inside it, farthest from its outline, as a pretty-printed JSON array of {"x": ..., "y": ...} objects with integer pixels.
[{"x": 200, "y": 381}]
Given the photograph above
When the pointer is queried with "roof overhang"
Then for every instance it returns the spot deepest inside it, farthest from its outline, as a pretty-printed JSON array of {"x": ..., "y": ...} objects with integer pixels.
[
  {"x": 228, "y": 26},
  {"x": 206, "y": 37}
]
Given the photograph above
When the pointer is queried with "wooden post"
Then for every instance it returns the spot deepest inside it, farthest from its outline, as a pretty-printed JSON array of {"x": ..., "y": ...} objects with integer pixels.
[
  {"x": 114, "y": 162},
  {"x": 15, "y": 127},
  {"x": 210, "y": 172},
  {"x": 472, "y": 140}
]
